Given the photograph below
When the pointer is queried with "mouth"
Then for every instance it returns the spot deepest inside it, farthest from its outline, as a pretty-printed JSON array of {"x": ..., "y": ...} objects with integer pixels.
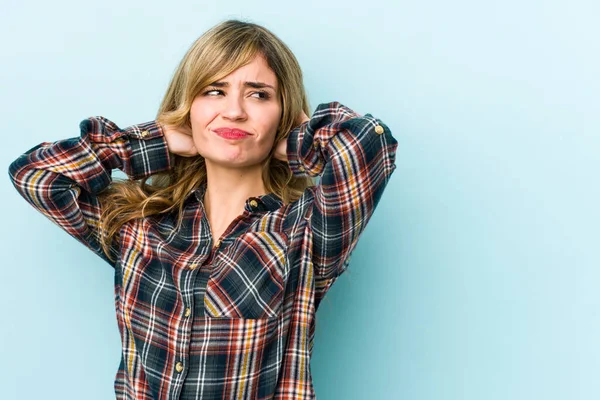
[{"x": 231, "y": 133}]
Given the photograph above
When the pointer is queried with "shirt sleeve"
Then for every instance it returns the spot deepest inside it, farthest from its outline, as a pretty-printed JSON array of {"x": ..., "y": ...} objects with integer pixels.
[
  {"x": 354, "y": 156},
  {"x": 62, "y": 179}
]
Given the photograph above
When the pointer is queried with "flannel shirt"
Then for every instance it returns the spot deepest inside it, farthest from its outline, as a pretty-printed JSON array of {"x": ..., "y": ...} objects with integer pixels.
[{"x": 233, "y": 319}]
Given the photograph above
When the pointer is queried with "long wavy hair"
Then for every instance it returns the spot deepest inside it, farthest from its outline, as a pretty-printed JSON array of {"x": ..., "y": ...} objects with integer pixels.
[{"x": 214, "y": 55}]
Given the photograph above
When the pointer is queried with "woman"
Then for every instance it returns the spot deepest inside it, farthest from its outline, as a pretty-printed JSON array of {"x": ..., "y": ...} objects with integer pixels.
[{"x": 222, "y": 244}]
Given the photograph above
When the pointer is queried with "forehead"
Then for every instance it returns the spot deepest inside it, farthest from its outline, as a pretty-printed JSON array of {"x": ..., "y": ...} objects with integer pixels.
[{"x": 257, "y": 70}]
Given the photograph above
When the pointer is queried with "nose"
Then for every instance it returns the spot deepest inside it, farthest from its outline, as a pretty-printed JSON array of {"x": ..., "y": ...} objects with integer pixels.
[{"x": 233, "y": 107}]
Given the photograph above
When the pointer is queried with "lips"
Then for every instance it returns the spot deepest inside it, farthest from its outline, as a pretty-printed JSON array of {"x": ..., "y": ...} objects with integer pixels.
[{"x": 231, "y": 133}]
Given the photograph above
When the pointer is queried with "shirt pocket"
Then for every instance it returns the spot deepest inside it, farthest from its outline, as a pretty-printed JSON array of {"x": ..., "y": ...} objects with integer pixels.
[{"x": 247, "y": 279}]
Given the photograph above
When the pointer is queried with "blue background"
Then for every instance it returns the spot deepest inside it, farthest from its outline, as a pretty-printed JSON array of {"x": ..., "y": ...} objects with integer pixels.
[{"x": 478, "y": 275}]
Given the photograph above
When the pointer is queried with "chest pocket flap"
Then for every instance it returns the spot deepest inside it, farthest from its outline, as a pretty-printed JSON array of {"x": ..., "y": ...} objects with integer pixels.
[{"x": 248, "y": 277}]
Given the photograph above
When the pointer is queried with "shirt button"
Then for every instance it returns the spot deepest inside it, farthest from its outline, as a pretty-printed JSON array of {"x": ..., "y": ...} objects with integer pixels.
[
  {"x": 218, "y": 243},
  {"x": 188, "y": 312},
  {"x": 193, "y": 266},
  {"x": 179, "y": 367},
  {"x": 253, "y": 203},
  {"x": 301, "y": 168},
  {"x": 379, "y": 129},
  {"x": 316, "y": 144},
  {"x": 145, "y": 133}
]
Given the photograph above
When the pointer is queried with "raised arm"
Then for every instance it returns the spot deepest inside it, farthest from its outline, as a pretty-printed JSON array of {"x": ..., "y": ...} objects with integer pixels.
[
  {"x": 355, "y": 157},
  {"x": 62, "y": 179}
]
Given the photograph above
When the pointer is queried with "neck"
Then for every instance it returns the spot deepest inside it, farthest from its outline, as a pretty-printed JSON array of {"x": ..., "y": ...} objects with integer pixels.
[{"x": 227, "y": 190}]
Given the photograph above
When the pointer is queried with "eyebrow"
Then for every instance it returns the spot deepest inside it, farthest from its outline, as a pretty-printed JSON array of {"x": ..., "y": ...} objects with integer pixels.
[{"x": 254, "y": 85}]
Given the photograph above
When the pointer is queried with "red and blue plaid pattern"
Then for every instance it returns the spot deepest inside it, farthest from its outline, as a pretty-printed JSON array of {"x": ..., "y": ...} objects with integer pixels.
[{"x": 233, "y": 319}]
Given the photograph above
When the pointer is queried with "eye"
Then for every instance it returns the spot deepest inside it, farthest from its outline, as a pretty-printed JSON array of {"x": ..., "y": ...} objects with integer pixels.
[
  {"x": 208, "y": 92},
  {"x": 263, "y": 95}
]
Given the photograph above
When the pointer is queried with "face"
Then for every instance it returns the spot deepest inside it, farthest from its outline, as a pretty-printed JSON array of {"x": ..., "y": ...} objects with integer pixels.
[{"x": 234, "y": 120}]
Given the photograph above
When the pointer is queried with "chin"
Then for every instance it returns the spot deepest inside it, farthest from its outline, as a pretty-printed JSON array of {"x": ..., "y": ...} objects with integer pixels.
[
  {"x": 230, "y": 163},
  {"x": 239, "y": 160}
]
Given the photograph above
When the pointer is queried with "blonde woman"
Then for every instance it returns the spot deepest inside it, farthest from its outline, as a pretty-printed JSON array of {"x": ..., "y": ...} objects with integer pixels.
[{"x": 222, "y": 243}]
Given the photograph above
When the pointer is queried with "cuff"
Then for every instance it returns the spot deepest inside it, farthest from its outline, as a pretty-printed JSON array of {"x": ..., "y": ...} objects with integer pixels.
[
  {"x": 149, "y": 150},
  {"x": 304, "y": 160}
]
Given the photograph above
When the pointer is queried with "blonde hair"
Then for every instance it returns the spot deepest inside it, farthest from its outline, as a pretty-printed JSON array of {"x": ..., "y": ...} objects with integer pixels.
[{"x": 214, "y": 55}]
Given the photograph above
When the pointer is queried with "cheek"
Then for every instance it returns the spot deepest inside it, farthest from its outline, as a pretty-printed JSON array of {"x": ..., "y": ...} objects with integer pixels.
[
  {"x": 200, "y": 115},
  {"x": 268, "y": 138},
  {"x": 270, "y": 123}
]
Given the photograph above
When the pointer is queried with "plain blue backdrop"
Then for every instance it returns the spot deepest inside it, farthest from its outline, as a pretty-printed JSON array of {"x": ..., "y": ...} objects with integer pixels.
[{"x": 478, "y": 275}]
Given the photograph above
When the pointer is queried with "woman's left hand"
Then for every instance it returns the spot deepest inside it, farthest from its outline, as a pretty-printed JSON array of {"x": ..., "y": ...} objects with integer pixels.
[{"x": 281, "y": 149}]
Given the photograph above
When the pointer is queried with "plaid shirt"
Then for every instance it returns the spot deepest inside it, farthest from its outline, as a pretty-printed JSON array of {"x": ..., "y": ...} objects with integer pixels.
[{"x": 234, "y": 319}]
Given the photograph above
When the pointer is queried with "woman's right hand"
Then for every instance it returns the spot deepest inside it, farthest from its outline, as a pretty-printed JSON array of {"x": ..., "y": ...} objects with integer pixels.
[{"x": 179, "y": 140}]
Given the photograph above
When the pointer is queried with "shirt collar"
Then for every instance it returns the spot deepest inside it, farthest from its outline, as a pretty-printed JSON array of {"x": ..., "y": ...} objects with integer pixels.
[{"x": 265, "y": 202}]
